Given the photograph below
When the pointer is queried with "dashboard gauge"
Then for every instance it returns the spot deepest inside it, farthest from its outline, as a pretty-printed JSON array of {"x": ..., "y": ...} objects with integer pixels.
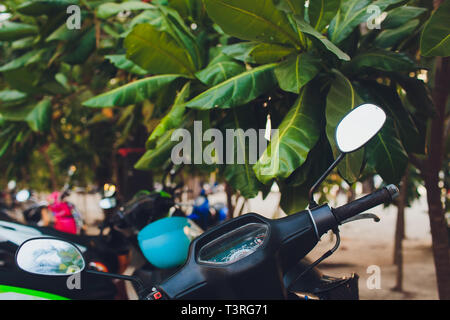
[{"x": 234, "y": 245}]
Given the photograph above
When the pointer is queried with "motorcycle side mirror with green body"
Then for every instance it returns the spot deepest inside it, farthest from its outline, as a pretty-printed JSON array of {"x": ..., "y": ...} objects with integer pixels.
[
  {"x": 49, "y": 256},
  {"x": 56, "y": 257},
  {"x": 357, "y": 128}
]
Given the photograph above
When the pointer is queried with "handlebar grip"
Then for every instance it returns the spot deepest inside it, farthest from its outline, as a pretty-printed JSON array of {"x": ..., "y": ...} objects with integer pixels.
[{"x": 384, "y": 195}]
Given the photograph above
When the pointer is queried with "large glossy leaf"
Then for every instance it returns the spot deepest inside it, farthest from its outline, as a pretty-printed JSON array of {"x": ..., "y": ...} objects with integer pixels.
[
  {"x": 382, "y": 60},
  {"x": 155, "y": 158},
  {"x": 435, "y": 38},
  {"x": 391, "y": 37},
  {"x": 237, "y": 90},
  {"x": 173, "y": 119},
  {"x": 297, "y": 71},
  {"x": 40, "y": 7},
  {"x": 110, "y": 9},
  {"x": 173, "y": 24},
  {"x": 254, "y": 52},
  {"x": 220, "y": 71},
  {"x": 40, "y": 117},
  {"x": 121, "y": 62},
  {"x": 293, "y": 199},
  {"x": 157, "y": 51},
  {"x": 342, "y": 98},
  {"x": 241, "y": 176},
  {"x": 388, "y": 99},
  {"x": 387, "y": 155},
  {"x": 351, "y": 13},
  {"x": 298, "y": 133},
  {"x": 401, "y": 15},
  {"x": 131, "y": 93},
  {"x": 14, "y": 30},
  {"x": 306, "y": 28},
  {"x": 256, "y": 20},
  {"x": 321, "y": 12},
  {"x": 291, "y": 6}
]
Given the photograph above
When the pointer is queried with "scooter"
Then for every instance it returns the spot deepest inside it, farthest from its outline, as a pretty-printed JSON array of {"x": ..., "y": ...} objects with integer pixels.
[
  {"x": 62, "y": 214},
  {"x": 248, "y": 257}
]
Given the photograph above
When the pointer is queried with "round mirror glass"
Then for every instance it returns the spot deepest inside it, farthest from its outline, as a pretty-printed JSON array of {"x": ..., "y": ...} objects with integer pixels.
[
  {"x": 51, "y": 257},
  {"x": 359, "y": 126},
  {"x": 23, "y": 195}
]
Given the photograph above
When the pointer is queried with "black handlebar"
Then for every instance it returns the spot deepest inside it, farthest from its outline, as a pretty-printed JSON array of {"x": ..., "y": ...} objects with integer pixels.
[{"x": 384, "y": 195}]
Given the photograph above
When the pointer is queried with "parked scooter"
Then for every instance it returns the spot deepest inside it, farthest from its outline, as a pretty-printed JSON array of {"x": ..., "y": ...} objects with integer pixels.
[
  {"x": 250, "y": 257},
  {"x": 56, "y": 211}
]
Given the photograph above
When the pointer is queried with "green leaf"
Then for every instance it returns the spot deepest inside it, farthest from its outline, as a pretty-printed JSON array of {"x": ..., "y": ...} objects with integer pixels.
[
  {"x": 293, "y": 199},
  {"x": 79, "y": 51},
  {"x": 219, "y": 72},
  {"x": 15, "y": 30},
  {"x": 388, "y": 99},
  {"x": 173, "y": 119},
  {"x": 401, "y": 15},
  {"x": 351, "y": 13},
  {"x": 297, "y": 71},
  {"x": 291, "y": 6},
  {"x": 110, "y": 9},
  {"x": 387, "y": 155},
  {"x": 321, "y": 12},
  {"x": 254, "y": 20},
  {"x": 306, "y": 28},
  {"x": 237, "y": 90},
  {"x": 121, "y": 62},
  {"x": 298, "y": 133},
  {"x": 342, "y": 98},
  {"x": 382, "y": 60},
  {"x": 241, "y": 176},
  {"x": 157, "y": 51},
  {"x": 253, "y": 52},
  {"x": 47, "y": 7},
  {"x": 155, "y": 158},
  {"x": 11, "y": 96},
  {"x": 24, "y": 60},
  {"x": 40, "y": 117},
  {"x": 391, "y": 37},
  {"x": 435, "y": 38},
  {"x": 131, "y": 93}
]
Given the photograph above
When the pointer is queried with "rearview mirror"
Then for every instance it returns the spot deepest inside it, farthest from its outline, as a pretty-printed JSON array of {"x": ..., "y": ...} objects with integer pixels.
[
  {"x": 23, "y": 195},
  {"x": 49, "y": 256},
  {"x": 354, "y": 130},
  {"x": 358, "y": 127}
]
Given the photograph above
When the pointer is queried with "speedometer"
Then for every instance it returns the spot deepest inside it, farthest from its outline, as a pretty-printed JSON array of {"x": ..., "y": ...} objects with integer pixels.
[{"x": 235, "y": 245}]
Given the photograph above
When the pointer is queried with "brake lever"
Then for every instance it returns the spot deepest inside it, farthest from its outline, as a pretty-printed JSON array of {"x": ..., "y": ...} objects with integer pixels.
[{"x": 362, "y": 216}]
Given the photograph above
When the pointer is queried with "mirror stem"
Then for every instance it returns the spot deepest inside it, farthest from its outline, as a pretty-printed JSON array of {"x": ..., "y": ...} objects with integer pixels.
[
  {"x": 136, "y": 280},
  {"x": 312, "y": 203}
]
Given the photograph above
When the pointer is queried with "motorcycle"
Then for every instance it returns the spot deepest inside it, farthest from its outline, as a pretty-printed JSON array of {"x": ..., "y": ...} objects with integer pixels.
[{"x": 249, "y": 257}]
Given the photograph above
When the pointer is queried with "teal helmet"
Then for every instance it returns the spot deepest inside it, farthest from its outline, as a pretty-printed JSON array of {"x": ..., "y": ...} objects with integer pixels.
[{"x": 164, "y": 242}]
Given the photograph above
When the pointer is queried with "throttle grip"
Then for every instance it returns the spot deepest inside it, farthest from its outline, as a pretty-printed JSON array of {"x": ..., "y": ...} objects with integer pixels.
[{"x": 384, "y": 195}]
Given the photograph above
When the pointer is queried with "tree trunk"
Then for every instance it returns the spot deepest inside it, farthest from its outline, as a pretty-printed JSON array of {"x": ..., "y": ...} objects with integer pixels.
[
  {"x": 433, "y": 165},
  {"x": 229, "y": 191},
  {"x": 400, "y": 231}
]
